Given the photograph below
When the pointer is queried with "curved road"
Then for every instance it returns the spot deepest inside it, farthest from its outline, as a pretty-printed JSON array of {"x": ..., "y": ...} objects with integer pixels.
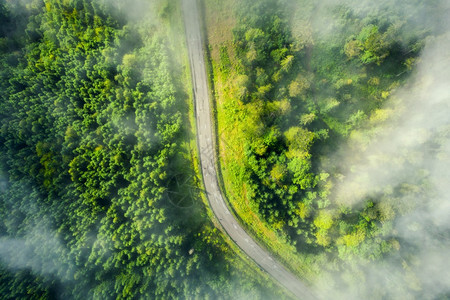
[{"x": 205, "y": 143}]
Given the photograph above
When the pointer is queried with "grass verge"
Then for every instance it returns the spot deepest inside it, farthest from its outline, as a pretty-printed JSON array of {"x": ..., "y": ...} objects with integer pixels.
[
  {"x": 231, "y": 119},
  {"x": 241, "y": 262}
]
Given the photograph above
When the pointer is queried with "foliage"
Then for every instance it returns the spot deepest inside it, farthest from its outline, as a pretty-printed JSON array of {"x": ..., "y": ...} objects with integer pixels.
[
  {"x": 287, "y": 103},
  {"x": 92, "y": 148}
]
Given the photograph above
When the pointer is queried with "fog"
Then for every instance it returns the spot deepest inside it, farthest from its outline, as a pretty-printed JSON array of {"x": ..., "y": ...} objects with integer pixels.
[
  {"x": 38, "y": 250},
  {"x": 410, "y": 149},
  {"x": 404, "y": 159},
  {"x": 416, "y": 115}
]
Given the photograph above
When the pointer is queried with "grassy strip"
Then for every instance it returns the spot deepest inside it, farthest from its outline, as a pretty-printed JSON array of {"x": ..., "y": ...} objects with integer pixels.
[
  {"x": 242, "y": 262},
  {"x": 231, "y": 119}
]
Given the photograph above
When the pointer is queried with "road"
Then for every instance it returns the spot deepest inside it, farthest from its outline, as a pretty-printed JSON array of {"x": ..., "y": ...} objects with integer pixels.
[{"x": 205, "y": 143}]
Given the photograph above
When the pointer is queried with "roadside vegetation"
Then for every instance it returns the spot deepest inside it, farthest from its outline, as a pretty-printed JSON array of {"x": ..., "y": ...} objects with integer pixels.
[{"x": 299, "y": 86}]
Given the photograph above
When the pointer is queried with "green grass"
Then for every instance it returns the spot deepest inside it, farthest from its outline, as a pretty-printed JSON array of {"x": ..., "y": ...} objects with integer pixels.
[
  {"x": 233, "y": 120},
  {"x": 232, "y": 252}
]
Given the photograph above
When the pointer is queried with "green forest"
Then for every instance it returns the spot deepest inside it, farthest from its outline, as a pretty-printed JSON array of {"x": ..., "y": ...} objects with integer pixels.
[
  {"x": 332, "y": 139},
  {"x": 95, "y": 130},
  {"x": 311, "y": 104}
]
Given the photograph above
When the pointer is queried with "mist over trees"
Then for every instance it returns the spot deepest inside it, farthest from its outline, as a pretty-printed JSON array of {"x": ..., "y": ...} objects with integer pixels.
[
  {"x": 333, "y": 142},
  {"x": 338, "y": 110}
]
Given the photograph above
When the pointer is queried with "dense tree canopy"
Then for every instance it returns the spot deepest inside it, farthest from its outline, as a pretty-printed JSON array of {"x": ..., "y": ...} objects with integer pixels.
[
  {"x": 92, "y": 146},
  {"x": 310, "y": 84}
]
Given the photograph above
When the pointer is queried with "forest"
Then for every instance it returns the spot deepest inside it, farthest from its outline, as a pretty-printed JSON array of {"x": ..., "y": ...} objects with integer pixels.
[
  {"x": 332, "y": 141},
  {"x": 333, "y": 134},
  {"x": 95, "y": 136}
]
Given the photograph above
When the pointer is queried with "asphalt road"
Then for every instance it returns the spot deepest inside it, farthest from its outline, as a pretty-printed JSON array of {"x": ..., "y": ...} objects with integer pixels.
[{"x": 207, "y": 160}]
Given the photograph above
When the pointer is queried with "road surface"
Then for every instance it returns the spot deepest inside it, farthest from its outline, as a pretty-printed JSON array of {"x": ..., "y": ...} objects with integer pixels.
[{"x": 207, "y": 160}]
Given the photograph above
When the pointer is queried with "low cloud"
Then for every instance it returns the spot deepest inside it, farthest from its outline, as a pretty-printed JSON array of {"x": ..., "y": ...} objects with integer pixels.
[
  {"x": 40, "y": 251},
  {"x": 409, "y": 151}
]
